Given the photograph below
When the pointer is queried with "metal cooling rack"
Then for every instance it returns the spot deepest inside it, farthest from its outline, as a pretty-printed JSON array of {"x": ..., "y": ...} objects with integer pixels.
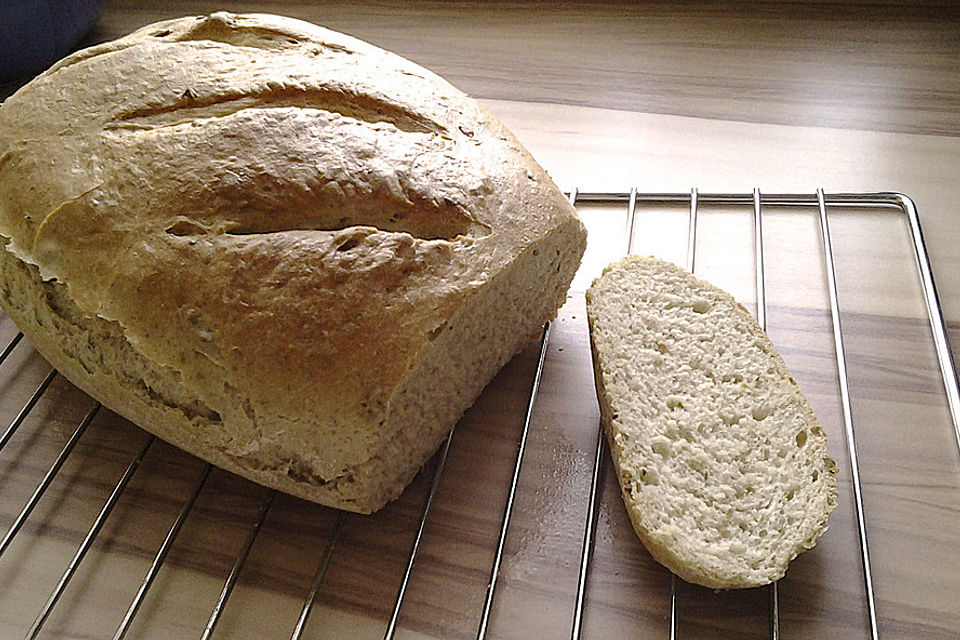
[
  {"x": 896, "y": 204},
  {"x": 892, "y": 202}
]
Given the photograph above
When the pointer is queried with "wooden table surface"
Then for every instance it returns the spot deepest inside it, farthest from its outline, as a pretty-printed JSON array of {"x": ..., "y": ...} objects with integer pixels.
[{"x": 661, "y": 96}]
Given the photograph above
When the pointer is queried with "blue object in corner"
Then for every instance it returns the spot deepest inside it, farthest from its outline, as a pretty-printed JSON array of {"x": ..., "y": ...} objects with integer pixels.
[{"x": 36, "y": 33}]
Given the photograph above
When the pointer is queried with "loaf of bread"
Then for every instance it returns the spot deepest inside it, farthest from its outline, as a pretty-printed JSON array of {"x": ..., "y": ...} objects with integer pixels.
[
  {"x": 721, "y": 462},
  {"x": 284, "y": 250}
]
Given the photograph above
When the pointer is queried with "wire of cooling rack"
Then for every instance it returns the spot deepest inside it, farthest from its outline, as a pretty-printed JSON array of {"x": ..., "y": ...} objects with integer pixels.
[
  {"x": 88, "y": 539},
  {"x": 317, "y": 579},
  {"x": 161, "y": 555},
  {"x": 508, "y": 508},
  {"x": 30, "y": 404},
  {"x": 843, "y": 381},
  {"x": 774, "y": 614},
  {"x": 47, "y": 479},
  {"x": 234, "y": 574},
  {"x": 415, "y": 547},
  {"x": 822, "y": 202},
  {"x": 10, "y": 347},
  {"x": 891, "y": 201},
  {"x": 515, "y": 478},
  {"x": 593, "y": 507}
]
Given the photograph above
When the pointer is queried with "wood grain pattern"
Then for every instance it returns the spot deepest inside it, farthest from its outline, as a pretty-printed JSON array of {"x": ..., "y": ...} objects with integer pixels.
[
  {"x": 885, "y": 66},
  {"x": 603, "y": 150},
  {"x": 663, "y": 96}
]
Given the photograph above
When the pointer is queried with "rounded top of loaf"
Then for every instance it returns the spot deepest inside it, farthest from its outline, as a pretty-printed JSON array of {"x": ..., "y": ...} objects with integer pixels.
[{"x": 248, "y": 195}]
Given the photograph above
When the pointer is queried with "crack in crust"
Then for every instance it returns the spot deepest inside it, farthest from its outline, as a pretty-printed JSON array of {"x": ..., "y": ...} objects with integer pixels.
[{"x": 96, "y": 345}]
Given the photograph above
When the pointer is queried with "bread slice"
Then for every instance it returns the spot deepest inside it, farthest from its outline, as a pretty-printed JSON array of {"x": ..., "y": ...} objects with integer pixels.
[
  {"x": 289, "y": 252},
  {"x": 721, "y": 462}
]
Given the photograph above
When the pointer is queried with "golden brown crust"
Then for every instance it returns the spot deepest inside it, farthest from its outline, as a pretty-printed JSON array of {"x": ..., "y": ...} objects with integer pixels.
[{"x": 281, "y": 215}]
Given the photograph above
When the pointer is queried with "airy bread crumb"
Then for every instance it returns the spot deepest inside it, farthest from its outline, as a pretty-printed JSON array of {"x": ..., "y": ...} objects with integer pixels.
[{"x": 721, "y": 462}]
